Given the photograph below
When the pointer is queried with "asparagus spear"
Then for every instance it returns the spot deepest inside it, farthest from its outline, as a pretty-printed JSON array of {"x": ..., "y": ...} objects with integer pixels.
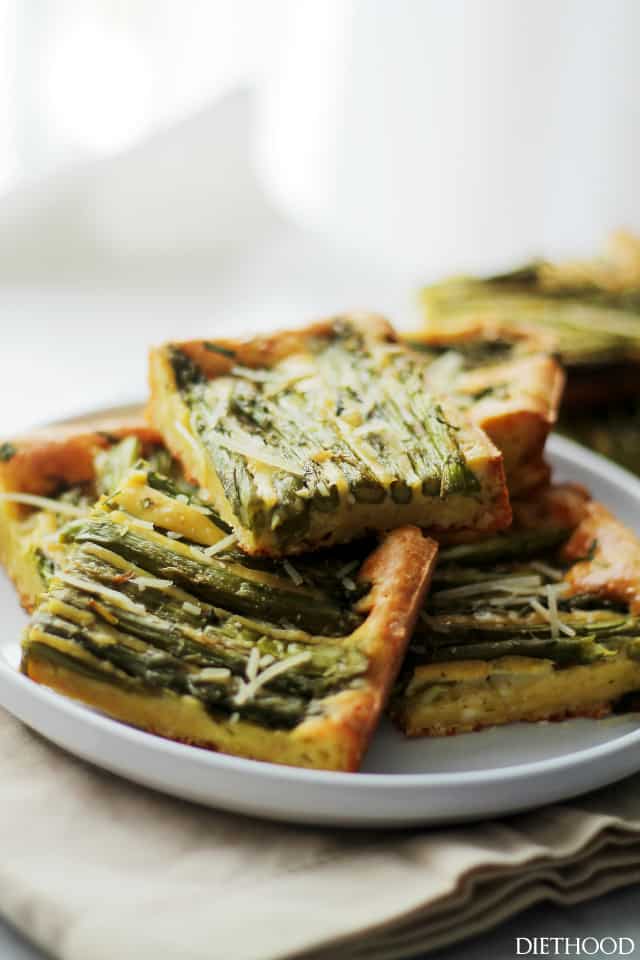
[
  {"x": 442, "y": 628},
  {"x": 514, "y": 544},
  {"x": 235, "y": 588},
  {"x": 566, "y": 651}
]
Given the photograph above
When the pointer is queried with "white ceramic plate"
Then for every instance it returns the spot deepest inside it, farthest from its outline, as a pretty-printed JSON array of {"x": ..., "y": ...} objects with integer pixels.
[{"x": 403, "y": 782}]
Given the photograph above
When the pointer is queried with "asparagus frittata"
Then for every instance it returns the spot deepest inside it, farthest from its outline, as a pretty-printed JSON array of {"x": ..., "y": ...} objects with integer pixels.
[
  {"x": 541, "y": 622},
  {"x": 155, "y": 617},
  {"x": 586, "y": 311},
  {"x": 313, "y": 437}
]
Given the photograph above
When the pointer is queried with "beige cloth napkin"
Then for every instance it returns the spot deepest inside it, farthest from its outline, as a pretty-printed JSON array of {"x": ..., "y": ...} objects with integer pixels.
[{"x": 95, "y": 868}]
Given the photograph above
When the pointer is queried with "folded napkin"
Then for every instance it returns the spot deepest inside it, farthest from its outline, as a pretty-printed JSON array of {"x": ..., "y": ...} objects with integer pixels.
[{"x": 95, "y": 868}]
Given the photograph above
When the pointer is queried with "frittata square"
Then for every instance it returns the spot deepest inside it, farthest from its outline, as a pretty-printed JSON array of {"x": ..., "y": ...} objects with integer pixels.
[
  {"x": 157, "y": 619},
  {"x": 314, "y": 437},
  {"x": 540, "y": 623}
]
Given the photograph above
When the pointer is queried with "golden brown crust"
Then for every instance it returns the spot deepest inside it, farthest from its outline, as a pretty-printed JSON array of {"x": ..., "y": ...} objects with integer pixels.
[
  {"x": 561, "y": 505},
  {"x": 265, "y": 351},
  {"x": 611, "y": 567},
  {"x": 519, "y": 423},
  {"x": 399, "y": 571},
  {"x": 63, "y": 455},
  {"x": 460, "y": 331}
]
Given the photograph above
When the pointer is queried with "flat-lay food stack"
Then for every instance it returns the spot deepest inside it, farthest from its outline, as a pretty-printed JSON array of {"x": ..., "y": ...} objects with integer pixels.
[
  {"x": 586, "y": 312},
  {"x": 311, "y": 528}
]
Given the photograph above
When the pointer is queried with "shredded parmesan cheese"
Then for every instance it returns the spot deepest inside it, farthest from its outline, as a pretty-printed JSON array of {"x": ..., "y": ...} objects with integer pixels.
[
  {"x": 248, "y": 690},
  {"x": 252, "y": 664},
  {"x": 255, "y": 450},
  {"x": 348, "y": 568},
  {"x": 205, "y": 511},
  {"x": 193, "y": 608},
  {"x": 213, "y": 675},
  {"x": 249, "y": 373},
  {"x": 546, "y": 570},
  {"x": 144, "y": 523},
  {"x": 154, "y": 582},
  {"x": 293, "y": 573},
  {"x": 554, "y": 619},
  {"x": 507, "y": 584},
  {"x": 44, "y": 503},
  {"x": 221, "y": 545},
  {"x": 190, "y": 440},
  {"x": 119, "y": 599}
]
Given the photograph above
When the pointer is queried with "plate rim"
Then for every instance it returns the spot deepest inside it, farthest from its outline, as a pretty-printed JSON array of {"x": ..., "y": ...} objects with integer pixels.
[{"x": 560, "y": 446}]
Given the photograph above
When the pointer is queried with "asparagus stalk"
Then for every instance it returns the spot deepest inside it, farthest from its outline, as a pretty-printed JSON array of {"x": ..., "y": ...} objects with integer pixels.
[
  {"x": 218, "y": 583},
  {"x": 462, "y": 628},
  {"x": 566, "y": 651},
  {"x": 267, "y": 709},
  {"x": 516, "y": 544}
]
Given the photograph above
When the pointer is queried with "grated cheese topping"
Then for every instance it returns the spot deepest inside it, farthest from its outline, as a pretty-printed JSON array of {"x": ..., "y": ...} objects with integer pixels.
[
  {"x": 221, "y": 545},
  {"x": 248, "y": 690},
  {"x": 212, "y": 675},
  {"x": 193, "y": 608},
  {"x": 546, "y": 570},
  {"x": 45, "y": 503},
  {"x": 293, "y": 573},
  {"x": 117, "y": 598},
  {"x": 507, "y": 584},
  {"x": 156, "y": 583},
  {"x": 253, "y": 664},
  {"x": 551, "y": 616},
  {"x": 247, "y": 446}
]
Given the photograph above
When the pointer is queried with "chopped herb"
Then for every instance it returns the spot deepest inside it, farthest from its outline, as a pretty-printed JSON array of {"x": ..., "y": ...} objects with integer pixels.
[
  {"x": 7, "y": 451},
  {"x": 186, "y": 371},
  {"x": 590, "y": 554},
  {"x": 216, "y": 348}
]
